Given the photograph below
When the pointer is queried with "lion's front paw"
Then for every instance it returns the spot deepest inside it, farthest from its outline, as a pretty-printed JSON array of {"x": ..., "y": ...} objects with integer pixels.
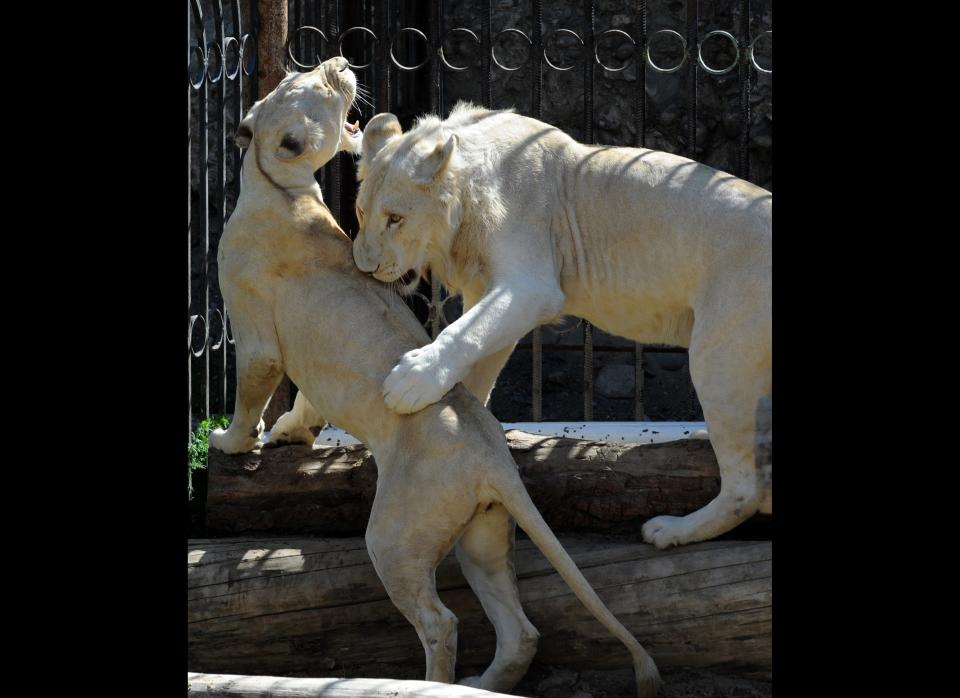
[
  {"x": 230, "y": 442},
  {"x": 665, "y": 531},
  {"x": 418, "y": 380}
]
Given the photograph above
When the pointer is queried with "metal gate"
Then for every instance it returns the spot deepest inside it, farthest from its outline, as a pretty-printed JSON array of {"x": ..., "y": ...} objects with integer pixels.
[{"x": 690, "y": 77}]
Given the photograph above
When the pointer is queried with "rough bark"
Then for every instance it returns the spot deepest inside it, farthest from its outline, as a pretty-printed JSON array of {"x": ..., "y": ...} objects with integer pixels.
[
  {"x": 577, "y": 485},
  {"x": 271, "y": 45},
  {"x": 315, "y": 607}
]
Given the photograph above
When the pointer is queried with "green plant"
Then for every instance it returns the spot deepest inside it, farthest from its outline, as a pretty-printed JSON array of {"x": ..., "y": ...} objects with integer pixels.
[{"x": 199, "y": 443}]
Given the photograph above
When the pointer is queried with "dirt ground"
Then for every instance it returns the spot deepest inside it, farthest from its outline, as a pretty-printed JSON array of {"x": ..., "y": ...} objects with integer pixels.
[
  {"x": 548, "y": 682},
  {"x": 544, "y": 681}
]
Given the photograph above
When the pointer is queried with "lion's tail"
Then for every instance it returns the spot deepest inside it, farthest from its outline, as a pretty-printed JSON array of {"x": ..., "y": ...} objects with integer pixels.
[{"x": 517, "y": 501}]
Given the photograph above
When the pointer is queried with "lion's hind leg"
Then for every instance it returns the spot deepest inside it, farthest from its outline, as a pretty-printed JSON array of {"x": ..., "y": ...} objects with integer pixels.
[
  {"x": 257, "y": 378},
  {"x": 731, "y": 372},
  {"x": 300, "y": 425},
  {"x": 485, "y": 552},
  {"x": 407, "y": 570}
]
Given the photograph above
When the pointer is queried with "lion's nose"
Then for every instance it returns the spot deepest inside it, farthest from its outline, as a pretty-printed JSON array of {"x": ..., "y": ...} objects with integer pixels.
[
  {"x": 360, "y": 258},
  {"x": 339, "y": 63}
]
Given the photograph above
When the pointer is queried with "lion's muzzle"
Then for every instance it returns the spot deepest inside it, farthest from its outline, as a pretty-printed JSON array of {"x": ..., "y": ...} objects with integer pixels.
[{"x": 362, "y": 257}]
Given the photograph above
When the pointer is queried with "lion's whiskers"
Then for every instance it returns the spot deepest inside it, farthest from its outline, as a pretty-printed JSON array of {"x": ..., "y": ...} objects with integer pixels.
[{"x": 363, "y": 96}]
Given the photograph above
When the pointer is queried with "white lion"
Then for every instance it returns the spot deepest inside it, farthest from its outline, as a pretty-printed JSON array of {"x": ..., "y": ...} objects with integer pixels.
[
  {"x": 529, "y": 224},
  {"x": 445, "y": 474}
]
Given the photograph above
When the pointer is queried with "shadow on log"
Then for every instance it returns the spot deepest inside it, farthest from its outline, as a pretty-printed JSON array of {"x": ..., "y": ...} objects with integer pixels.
[
  {"x": 315, "y": 607},
  {"x": 577, "y": 485}
]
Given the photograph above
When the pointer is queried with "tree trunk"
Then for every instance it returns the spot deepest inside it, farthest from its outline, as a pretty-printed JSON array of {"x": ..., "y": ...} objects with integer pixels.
[
  {"x": 271, "y": 69},
  {"x": 577, "y": 485},
  {"x": 271, "y": 45},
  {"x": 315, "y": 607}
]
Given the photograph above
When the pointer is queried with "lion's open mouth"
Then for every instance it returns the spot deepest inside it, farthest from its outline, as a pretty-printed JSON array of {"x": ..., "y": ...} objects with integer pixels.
[{"x": 351, "y": 138}]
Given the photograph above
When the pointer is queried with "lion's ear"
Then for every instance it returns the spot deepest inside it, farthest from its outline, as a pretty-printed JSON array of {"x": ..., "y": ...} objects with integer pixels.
[
  {"x": 378, "y": 131},
  {"x": 244, "y": 132},
  {"x": 294, "y": 140},
  {"x": 435, "y": 164}
]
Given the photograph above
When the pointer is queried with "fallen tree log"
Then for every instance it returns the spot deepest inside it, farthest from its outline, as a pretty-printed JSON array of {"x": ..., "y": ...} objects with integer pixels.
[
  {"x": 315, "y": 607},
  {"x": 577, "y": 485},
  {"x": 236, "y": 686}
]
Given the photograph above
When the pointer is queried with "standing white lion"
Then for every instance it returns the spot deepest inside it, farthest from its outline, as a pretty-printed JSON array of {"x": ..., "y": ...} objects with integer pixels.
[{"x": 528, "y": 225}]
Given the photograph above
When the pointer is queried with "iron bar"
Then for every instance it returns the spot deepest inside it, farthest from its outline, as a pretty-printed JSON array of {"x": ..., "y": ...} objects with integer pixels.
[
  {"x": 588, "y": 137},
  {"x": 744, "y": 40},
  {"x": 537, "y": 338},
  {"x": 640, "y": 115},
  {"x": 693, "y": 29}
]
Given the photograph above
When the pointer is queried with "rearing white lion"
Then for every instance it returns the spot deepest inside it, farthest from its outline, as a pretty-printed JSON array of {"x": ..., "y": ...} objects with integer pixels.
[{"x": 529, "y": 224}]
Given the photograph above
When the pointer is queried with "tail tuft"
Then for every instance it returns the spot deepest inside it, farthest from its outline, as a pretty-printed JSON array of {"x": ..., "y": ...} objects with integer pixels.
[{"x": 648, "y": 678}]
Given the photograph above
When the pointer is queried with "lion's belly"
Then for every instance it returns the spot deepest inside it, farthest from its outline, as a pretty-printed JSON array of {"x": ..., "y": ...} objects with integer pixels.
[{"x": 645, "y": 320}]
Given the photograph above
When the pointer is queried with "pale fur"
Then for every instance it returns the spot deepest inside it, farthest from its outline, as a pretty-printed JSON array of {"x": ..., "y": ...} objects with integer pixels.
[
  {"x": 530, "y": 224},
  {"x": 445, "y": 475}
]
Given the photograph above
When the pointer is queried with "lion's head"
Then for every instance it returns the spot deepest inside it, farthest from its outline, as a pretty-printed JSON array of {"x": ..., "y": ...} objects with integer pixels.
[
  {"x": 408, "y": 202},
  {"x": 301, "y": 125}
]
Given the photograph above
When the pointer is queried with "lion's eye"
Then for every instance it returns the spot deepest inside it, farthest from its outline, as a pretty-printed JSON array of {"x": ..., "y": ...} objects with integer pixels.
[{"x": 394, "y": 218}]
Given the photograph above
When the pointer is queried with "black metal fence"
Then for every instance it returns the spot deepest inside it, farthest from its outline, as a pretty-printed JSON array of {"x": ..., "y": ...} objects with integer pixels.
[{"x": 690, "y": 77}]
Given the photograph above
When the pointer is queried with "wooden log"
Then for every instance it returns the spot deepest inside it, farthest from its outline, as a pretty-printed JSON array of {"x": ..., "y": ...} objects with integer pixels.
[
  {"x": 577, "y": 485},
  {"x": 237, "y": 686},
  {"x": 315, "y": 607}
]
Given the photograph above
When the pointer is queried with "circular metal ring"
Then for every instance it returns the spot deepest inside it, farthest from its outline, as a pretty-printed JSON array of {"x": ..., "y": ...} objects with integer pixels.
[
  {"x": 462, "y": 30},
  {"x": 245, "y": 46},
  {"x": 196, "y": 82},
  {"x": 736, "y": 48},
  {"x": 214, "y": 50},
  {"x": 206, "y": 335},
  {"x": 347, "y": 33},
  {"x": 223, "y": 332},
  {"x": 493, "y": 51},
  {"x": 559, "y": 31},
  {"x": 752, "y": 56},
  {"x": 419, "y": 65},
  {"x": 226, "y": 326},
  {"x": 296, "y": 34},
  {"x": 596, "y": 49},
  {"x": 231, "y": 41},
  {"x": 646, "y": 52}
]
